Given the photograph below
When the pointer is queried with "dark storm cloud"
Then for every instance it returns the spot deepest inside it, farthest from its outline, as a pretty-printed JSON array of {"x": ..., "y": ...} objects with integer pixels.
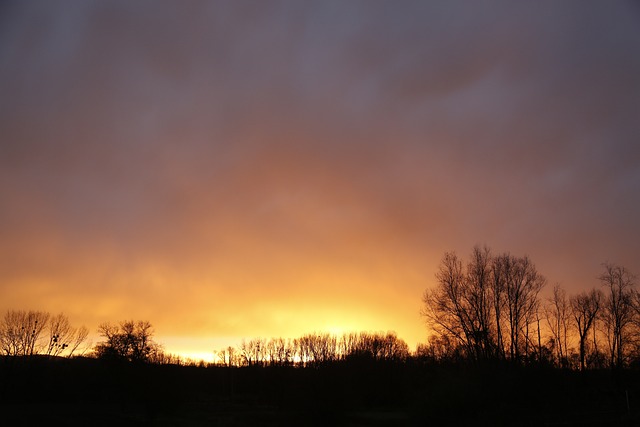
[{"x": 258, "y": 138}]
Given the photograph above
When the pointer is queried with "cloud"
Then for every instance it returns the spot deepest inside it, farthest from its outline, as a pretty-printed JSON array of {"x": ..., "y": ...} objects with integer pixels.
[{"x": 205, "y": 163}]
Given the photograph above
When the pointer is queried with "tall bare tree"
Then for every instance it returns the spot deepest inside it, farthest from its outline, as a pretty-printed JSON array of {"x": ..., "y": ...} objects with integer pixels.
[
  {"x": 500, "y": 266},
  {"x": 584, "y": 309},
  {"x": 446, "y": 307},
  {"x": 617, "y": 310},
  {"x": 557, "y": 312},
  {"x": 523, "y": 284},
  {"x": 480, "y": 300}
]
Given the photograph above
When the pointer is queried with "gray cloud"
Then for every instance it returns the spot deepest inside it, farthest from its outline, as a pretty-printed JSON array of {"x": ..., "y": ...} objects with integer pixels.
[{"x": 211, "y": 136}]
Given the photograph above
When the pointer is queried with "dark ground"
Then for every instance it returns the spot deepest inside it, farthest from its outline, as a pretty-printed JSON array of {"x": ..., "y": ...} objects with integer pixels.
[{"x": 359, "y": 393}]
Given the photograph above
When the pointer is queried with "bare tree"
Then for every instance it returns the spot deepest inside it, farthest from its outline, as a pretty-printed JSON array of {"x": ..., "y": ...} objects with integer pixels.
[
  {"x": 260, "y": 348},
  {"x": 281, "y": 351},
  {"x": 584, "y": 309},
  {"x": 246, "y": 352},
  {"x": 523, "y": 284},
  {"x": 77, "y": 339},
  {"x": 500, "y": 266},
  {"x": 347, "y": 344},
  {"x": 228, "y": 356},
  {"x": 21, "y": 331},
  {"x": 318, "y": 348},
  {"x": 60, "y": 334},
  {"x": 444, "y": 308},
  {"x": 460, "y": 305},
  {"x": 253, "y": 351},
  {"x": 617, "y": 311},
  {"x": 11, "y": 331},
  {"x": 557, "y": 312},
  {"x": 488, "y": 308},
  {"x": 480, "y": 299}
]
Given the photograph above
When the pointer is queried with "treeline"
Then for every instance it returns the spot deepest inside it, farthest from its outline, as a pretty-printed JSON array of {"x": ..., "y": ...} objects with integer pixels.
[
  {"x": 31, "y": 333},
  {"x": 489, "y": 309},
  {"x": 316, "y": 349}
]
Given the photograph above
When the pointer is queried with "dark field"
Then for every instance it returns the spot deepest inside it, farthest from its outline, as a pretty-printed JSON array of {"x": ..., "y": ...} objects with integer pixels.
[{"x": 354, "y": 393}]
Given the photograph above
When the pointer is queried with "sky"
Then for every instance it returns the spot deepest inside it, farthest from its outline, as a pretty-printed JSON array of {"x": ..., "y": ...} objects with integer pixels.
[{"x": 242, "y": 169}]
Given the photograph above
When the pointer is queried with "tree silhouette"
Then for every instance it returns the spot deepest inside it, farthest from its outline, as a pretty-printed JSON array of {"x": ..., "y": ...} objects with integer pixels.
[
  {"x": 487, "y": 308},
  {"x": 557, "y": 312},
  {"x": 584, "y": 308},
  {"x": 523, "y": 285},
  {"x": 448, "y": 308},
  {"x": 373, "y": 346},
  {"x": 129, "y": 340},
  {"x": 617, "y": 311},
  {"x": 20, "y": 332},
  {"x": 25, "y": 333}
]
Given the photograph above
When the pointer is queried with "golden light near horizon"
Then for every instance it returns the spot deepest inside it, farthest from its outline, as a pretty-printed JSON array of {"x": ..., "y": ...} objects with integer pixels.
[{"x": 303, "y": 167}]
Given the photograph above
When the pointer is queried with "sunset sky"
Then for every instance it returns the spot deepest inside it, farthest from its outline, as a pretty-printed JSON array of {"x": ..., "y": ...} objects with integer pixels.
[{"x": 243, "y": 169}]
